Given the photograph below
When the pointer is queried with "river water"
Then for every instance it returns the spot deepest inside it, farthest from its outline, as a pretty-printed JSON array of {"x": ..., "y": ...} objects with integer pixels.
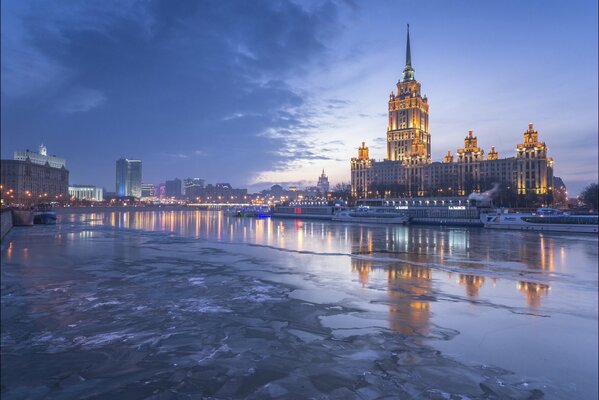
[{"x": 194, "y": 304}]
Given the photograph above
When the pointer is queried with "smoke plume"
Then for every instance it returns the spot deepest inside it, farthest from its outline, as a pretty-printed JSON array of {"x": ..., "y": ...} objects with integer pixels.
[{"x": 485, "y": 196}]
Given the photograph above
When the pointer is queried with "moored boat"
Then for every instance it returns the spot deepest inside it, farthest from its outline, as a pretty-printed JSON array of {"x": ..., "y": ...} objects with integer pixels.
[
  {"x": 307, "y": 210},
  {"x": 546, "y": 220},
  {"x": 371, "y": 216},
  {"x": 249, "y": 211},
  {"x": 453, "y": 211}
]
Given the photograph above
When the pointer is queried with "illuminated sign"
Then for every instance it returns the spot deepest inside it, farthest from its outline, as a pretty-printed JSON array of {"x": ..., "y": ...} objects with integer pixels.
[
  {"x": 402, "y": 207},
  {"x": 456, "y": 207}
]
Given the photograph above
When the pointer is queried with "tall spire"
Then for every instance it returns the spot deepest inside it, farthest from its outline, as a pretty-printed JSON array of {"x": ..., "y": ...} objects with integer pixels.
[
  {"x": 408, "y": 71},
  {"x": 408, "y": 55}
]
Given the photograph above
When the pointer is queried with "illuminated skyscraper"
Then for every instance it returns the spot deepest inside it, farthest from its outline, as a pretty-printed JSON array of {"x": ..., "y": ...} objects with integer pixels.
[
  {"x": 408, "y": 170},
  {"x": 407, "y": 129},
  {"x": 128, "y": 177}
]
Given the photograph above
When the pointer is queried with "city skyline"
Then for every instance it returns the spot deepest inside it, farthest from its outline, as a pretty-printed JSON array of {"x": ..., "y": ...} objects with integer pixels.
[{"x": 290, "y": 88}]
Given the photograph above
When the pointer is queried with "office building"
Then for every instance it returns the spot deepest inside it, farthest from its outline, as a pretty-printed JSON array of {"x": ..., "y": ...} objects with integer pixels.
[
  {"x": 174, "y": 188},
  {"x": 148, "y": 190},
  {"x": 192, "y": 186},
  {"x": 128, "y": 178}
]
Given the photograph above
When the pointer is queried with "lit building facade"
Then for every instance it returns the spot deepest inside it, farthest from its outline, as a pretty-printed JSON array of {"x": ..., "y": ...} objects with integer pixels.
[
  {"x": 221, "y": 193},
  {"x": 148, "y": 190},
  {"x": 191, "y": 186},
  {"x": 29, "y": 182},
  {"x": 128, "y": 178},
  {"x": 86, "y": 192},
  {"x": 408, "y": 170},
  {"x": 40, "y": 158}
]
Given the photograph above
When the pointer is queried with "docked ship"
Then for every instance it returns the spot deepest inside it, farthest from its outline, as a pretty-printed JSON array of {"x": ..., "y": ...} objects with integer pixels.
[
  {"x": 307, "y": 210},
  {"x": 248, "y": 211},
  {"x": 545, "y": 220},
  {"x": 371, "y": 216},
  {"x": 455, "y": 211}
]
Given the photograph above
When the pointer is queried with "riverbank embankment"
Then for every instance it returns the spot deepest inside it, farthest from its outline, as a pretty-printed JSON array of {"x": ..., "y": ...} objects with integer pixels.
[{"x": 5, "y": 222}]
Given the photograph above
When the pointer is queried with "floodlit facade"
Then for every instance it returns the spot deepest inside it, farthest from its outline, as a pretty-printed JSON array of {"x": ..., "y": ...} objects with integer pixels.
[
  {"x": 86, "y": 192},
  {"x": 408, "y": 170},
  {"x": 40, "y": 158},
  {"x": 29, "y": 182}
]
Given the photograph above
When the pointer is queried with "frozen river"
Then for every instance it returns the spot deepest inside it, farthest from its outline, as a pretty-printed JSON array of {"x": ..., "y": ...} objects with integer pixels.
[{"x": 194, "y": 304}]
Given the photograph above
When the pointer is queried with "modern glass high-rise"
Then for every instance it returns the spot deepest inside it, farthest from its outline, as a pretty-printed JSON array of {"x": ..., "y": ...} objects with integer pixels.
[{"x": 128, "y": 177}]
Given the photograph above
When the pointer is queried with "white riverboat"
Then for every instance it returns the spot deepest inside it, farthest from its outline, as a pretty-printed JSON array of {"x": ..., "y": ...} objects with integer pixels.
[
  {"x": 546, "y": 220},
  {"x": 308, "y": 209},
  {"x": 371, "y": 216}
]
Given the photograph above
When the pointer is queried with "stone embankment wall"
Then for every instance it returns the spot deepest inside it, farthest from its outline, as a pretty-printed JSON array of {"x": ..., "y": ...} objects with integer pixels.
[{"x": 6, "y": 222}]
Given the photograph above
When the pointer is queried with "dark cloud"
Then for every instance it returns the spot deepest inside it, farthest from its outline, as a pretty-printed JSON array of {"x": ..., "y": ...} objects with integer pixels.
[
  {"x": 261, "y": 185},
  {"x": 164, "y": 81}
]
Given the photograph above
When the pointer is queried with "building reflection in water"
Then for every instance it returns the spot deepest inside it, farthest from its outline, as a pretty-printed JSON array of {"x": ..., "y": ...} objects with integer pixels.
[
  {"x": 408, "y": 290},
  {"x": 415, "y": 244},
  {"x": 472, "y": 283},
  {"x": 533, "y": 291}
]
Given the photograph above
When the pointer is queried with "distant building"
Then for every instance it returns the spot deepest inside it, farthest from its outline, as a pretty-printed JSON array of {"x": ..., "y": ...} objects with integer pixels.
[
  {"x": 29, "y": 182},
  {"x": 40, "y": 158},
  {"x": 323, "y": 183},
  {"x": 191, "y": 186},
  {"x": 160, "y": 190},
  {"x": 86, "y": 192},
  {"x": 408, "y": 170},
  {"x": 174, "y": 188},
  {"x": 277, "y": 190},
  {"x": 148, "y": 190},
  {"x": 221, "y": 193},
  {"x": 128, "y": 178}
]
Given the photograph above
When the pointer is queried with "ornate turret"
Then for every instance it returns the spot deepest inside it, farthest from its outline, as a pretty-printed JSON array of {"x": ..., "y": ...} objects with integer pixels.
[
  {"x": 448, "y": 157},
  {"x": 363, "y": 152},
  {"x": 471, "y": 151},
  {"x": 493, "y": 155},
  {"x": 531, "y": 138}
]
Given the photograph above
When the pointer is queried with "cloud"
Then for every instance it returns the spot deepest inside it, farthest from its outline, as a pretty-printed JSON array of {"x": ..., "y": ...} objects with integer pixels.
[
  {"x": 142, "y": 75},
  {"x": 81, "y": 100},
  {"x": 177, "y": 155},
  {"x": 261, "y": 185}
]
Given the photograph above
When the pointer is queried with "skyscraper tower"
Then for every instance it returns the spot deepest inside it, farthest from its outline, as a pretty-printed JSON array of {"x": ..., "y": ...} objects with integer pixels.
[
  {"x": 128, "y": 177},
  {"x": 408, "y": 138},
  {"x": 323, "y": 183}
]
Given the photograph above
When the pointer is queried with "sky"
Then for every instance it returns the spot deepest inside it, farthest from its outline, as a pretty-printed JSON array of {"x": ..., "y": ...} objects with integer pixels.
[{"x": 261, "y": 92}]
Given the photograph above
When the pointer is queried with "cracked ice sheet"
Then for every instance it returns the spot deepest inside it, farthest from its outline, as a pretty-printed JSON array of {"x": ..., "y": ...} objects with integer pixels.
[{"x": 265, "y": 309}]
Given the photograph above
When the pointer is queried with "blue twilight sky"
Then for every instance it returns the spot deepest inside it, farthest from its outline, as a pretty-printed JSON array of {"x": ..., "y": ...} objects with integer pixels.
[{"x": 258, "y": 92}]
